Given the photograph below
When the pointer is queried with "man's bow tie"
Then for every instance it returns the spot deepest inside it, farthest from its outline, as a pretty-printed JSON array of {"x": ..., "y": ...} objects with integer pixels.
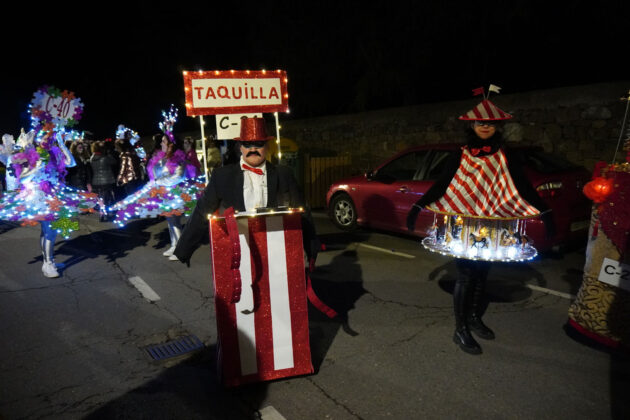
[
  {"x": 475, "y": 151},
  {"x": 254, "y": 170}
]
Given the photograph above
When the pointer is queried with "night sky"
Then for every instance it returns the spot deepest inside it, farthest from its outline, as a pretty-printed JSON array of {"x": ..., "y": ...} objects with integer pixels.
[{"x": 126, "y": 63}]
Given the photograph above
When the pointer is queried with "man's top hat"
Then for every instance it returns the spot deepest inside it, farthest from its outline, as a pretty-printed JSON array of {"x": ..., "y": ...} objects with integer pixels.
[{"x": 253, "y": 129}]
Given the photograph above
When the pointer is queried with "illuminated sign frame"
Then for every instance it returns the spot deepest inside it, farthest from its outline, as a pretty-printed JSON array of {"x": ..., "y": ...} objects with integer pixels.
[{"x": 223, "y": 92}]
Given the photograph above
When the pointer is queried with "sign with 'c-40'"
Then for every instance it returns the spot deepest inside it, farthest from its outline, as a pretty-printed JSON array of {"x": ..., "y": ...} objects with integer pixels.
[{"x": 615, "y": 273}]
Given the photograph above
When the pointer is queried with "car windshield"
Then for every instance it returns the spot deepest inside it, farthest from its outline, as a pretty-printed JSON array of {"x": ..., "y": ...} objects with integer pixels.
[{"x": 546, "y": 162}]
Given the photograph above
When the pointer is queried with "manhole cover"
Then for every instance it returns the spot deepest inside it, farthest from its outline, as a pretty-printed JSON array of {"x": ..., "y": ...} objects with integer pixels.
[{"x": 174, "y": 348}]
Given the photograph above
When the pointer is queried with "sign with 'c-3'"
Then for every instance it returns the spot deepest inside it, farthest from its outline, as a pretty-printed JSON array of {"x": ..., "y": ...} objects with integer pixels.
[
  {"x": 229, "y": 125},
  {"x": 615, "y": 273}
]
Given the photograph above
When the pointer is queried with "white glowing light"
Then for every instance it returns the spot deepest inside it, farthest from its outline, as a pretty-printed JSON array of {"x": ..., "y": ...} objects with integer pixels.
[{"x": 511, "y": 252}]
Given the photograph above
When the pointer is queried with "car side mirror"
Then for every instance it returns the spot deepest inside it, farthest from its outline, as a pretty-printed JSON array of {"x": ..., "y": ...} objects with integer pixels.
[{"x": 369, "y": 175}]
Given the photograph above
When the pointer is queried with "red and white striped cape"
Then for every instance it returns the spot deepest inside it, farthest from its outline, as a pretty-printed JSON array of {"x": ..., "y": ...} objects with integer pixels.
[{"x": 482, "y": 187}]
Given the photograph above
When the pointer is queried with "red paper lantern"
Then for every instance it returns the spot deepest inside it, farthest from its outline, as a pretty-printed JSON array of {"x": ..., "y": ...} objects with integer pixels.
[{"x": 598, "y": 189}]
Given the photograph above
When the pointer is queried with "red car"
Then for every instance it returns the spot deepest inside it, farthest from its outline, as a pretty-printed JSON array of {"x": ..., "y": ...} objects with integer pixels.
[{"x": 381, "y": 199}]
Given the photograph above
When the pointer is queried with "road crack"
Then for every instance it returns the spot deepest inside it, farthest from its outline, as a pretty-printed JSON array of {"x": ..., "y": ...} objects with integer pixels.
[{"x": 334, "y": 400}]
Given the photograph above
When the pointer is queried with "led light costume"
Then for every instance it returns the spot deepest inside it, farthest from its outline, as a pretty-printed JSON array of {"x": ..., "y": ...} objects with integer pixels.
[
  {"x": 123, "y": 132},
  {"x": 480, "y": 202},
  {"x": 172, "y": 190},
  {"x": 131, "y": 170},
  {"x": 38, "y": 166}
]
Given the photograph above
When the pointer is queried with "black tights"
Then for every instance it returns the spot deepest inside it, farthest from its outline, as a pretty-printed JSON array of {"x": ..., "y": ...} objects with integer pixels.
[{"x": 469, "y": 293}]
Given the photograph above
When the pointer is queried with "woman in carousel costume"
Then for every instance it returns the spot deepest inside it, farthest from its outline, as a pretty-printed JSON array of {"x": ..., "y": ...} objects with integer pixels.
[
  {"x": 481, "y": 198},
  {"x": 172, "y": 190},
  {"x": 39, "y": 194}
]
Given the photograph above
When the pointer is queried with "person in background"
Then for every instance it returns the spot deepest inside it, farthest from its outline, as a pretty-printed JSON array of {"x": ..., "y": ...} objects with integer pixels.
[
  {"x": 103, "y": 179},
  {"x": 191, "y": 154},
  {"x": 80, "y": 175},
  {"x": 130, "y": 172},
  {"x": 213, "y": 155}
]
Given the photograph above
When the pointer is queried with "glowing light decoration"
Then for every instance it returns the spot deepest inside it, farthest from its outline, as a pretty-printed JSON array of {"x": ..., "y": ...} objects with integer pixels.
[
  {"x": 166, "y": 194},
  {"x": 169, "y": 120},
  {"x": 598, "y": 189},
  {"x": 480, "y": 239},
  {"x": 42, "y": 201},
  {"x": 134, "y": 139},
  {"x": 235, "y": 92},
  {"x": 52, "y": 108}
]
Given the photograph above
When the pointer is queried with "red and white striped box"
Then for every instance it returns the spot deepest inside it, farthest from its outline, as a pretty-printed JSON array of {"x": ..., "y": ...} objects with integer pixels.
[{"x": 264, "y": 334}]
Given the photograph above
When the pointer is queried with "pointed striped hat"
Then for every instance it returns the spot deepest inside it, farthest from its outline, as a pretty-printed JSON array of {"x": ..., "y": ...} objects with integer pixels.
[{"x": 485, "y": 111}]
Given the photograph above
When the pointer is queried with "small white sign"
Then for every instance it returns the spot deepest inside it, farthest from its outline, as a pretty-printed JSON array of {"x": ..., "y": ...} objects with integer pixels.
[
  {"x": 229, "y": 125},
  {"x": 615, "y": 273}
]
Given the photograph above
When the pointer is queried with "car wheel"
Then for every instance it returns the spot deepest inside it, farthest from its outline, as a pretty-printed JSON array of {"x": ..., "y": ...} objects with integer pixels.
[{"x": 343, "y": 212}]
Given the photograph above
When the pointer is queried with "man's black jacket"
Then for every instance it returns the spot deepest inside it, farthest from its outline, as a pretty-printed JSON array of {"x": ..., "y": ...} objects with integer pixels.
[{"x": 226, "y": 190}]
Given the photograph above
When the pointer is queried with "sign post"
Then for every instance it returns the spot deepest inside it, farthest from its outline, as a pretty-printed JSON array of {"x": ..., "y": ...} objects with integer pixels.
[{"x": 203, "y": 144}]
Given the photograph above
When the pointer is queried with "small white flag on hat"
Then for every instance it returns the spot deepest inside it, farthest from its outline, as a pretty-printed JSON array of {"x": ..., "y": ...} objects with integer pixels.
[{"x": 494, "y": 88}]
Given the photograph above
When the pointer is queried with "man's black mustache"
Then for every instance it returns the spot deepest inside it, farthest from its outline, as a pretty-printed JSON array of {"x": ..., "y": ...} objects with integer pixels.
[{"x": 253, "y": 152}]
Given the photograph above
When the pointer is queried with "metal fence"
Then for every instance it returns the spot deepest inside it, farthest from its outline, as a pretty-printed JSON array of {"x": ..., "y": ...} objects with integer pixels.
[{"x": 320, "y": 173}]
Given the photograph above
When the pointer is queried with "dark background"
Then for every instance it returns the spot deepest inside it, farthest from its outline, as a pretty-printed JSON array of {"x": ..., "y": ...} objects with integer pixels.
[{"x": 125, "y": 60}]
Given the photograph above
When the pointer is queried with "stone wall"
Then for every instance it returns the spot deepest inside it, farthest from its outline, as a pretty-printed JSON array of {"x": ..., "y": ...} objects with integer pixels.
[{"x": 582, "y": 123}]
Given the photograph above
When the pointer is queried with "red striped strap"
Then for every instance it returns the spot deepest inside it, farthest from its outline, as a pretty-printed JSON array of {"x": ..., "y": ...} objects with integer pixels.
[
  {"x": 232, "y": 228},
  {"x": 312, "y": 297}
]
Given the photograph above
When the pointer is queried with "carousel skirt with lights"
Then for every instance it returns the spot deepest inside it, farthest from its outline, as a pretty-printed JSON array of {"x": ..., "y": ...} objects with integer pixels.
[
  {"x": 59, "y": 204},
  {"x": 600, "y": 311},
  {"x": 480, "y": 238},
  {"x": 154, "y": 200}
]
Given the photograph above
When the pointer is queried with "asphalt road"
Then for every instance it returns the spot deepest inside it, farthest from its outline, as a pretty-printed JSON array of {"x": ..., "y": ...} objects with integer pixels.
[{"x": 72, "y": 347}]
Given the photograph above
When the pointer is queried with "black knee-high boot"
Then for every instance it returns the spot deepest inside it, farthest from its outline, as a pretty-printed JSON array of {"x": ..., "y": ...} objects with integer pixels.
[
  {"x": 462, "y": 336},
  {"x": 475, "y": 323}
]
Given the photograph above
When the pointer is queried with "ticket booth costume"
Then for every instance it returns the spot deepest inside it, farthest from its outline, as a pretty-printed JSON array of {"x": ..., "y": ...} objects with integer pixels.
[
  {"x": 256, "y": 226},
  {"x": 37, "y": 163},
  {"x": 480, "y": 201}
]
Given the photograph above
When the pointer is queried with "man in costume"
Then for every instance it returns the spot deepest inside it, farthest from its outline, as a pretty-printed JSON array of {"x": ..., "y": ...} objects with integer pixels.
[
  {"x": 480, "y": 181},
  {"x": 247, "y": 185}
]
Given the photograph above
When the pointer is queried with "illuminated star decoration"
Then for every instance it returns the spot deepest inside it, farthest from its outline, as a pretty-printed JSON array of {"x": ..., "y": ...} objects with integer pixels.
[{"x": 169, "y": 121}]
